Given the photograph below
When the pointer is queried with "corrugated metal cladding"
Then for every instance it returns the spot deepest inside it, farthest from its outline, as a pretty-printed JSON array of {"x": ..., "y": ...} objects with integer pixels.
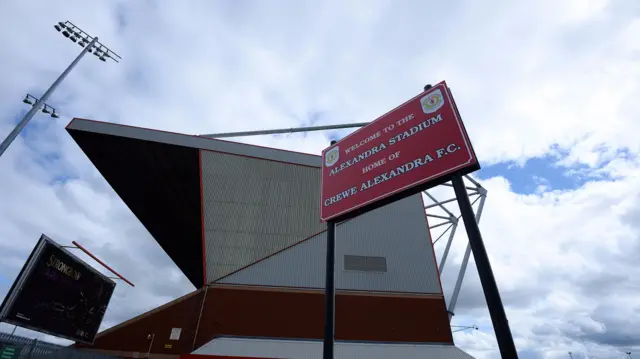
[
  {"x": 253, "y": 208},
  {"x": 397, "y": 232},
  {"x": 302, "y": 349}
]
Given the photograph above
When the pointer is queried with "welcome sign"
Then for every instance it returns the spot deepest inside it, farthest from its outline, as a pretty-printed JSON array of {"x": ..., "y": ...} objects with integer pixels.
[{"x": 414, "y": 145}]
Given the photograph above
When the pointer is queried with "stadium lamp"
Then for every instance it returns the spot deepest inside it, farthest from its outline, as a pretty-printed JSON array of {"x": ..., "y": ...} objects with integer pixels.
[
  {"x": 82, "y": 38},
  {"x": 89, "y": 44},
  {"x": 32, "y": 100},
  {"x": 29, "y": 100},
  {"x": 59, "y": 26}
]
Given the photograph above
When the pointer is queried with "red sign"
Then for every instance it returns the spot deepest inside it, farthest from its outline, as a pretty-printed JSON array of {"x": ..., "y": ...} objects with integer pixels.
[{"x": 418, "y": 142}]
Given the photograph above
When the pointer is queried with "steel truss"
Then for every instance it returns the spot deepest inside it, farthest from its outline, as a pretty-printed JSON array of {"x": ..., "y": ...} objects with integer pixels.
[{"x": 480, "y": 194}]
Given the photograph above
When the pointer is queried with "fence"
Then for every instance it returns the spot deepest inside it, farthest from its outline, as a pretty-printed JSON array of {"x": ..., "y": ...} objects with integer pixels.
[{"x": 17, "y": 347}]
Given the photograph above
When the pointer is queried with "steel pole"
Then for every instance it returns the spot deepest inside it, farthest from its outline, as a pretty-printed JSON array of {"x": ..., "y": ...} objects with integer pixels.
[
  {"x": 21, "y": 125},
  {"x": 496, "y": 309},
  {"x": 329, "y": 293},
  {"x": 329, "y": 290},
  {"x": 285, "y": 130}
]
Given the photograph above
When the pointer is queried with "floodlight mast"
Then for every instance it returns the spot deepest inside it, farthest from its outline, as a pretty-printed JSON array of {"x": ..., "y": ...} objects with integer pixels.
[{"x": 90, "y": 44}]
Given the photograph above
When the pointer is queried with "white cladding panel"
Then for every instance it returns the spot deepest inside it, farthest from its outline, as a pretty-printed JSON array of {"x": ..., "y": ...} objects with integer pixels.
[
  {"x": 397, "y": 232},
  {"x": 255, "y": 207},
  {"x": 299, "y": 349}
]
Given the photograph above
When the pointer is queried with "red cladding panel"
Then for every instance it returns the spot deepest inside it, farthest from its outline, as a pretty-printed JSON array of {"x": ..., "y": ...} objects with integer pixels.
[{"x": 420, "y": 141}]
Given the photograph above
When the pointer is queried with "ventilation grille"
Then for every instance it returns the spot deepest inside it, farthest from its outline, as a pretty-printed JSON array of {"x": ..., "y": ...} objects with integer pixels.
[{"x": 365, "y": 264}]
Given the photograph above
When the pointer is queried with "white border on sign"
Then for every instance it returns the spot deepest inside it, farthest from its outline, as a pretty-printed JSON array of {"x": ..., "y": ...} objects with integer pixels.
[{"x": 467, "y": 143}]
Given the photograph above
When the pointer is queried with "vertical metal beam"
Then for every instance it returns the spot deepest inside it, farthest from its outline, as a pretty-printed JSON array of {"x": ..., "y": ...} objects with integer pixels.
[
  {"x": 490, "y": 288},
  {"x": 329, "y": 290},
  {"x": 329, "y": 293}
]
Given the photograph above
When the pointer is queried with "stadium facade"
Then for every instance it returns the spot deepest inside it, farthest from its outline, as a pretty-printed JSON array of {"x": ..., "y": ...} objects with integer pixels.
[{"x": 242, "y": 223}]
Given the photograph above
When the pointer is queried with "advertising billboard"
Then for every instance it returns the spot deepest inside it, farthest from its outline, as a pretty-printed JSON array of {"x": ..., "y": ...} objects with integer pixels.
[
  {"x": 417, "y": 145},
  {"x": 58, "y": 294}
]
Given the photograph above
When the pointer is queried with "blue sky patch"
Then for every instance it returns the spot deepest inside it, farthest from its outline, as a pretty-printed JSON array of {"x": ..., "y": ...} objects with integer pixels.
[
  {"x": 544, "y": 173},
  {"x": 535, "y": 173},
  {"x": 4, "y": 281}
]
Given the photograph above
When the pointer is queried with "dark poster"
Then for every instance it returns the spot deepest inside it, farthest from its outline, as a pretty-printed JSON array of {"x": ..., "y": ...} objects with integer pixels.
[{"x": 61, "y": 296}]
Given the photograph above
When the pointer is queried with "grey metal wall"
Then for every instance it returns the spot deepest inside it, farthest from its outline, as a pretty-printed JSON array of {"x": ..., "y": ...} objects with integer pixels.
[
  {"x": 397, "y": 232},
  {"x": 255, "y": 207},
  {"x": 302, "y": 349}
]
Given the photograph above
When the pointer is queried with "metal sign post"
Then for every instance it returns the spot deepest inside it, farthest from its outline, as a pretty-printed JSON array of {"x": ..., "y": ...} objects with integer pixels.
[
  {"x": 329, "y": 293},
  {"x": 494, "y": 302}
]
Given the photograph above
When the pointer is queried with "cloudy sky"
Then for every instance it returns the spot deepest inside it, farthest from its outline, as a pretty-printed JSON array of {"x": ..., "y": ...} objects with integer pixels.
[{"x": 545, "y": 87}]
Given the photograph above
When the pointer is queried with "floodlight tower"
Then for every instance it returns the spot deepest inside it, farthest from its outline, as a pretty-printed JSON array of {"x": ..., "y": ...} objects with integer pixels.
[{"x": 91, "y": 45}]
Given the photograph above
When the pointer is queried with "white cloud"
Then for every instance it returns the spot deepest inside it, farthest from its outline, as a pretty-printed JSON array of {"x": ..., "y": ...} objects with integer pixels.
[
  {"x": 530, "y": 78},
  {"x": 561, "y": 260}
]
